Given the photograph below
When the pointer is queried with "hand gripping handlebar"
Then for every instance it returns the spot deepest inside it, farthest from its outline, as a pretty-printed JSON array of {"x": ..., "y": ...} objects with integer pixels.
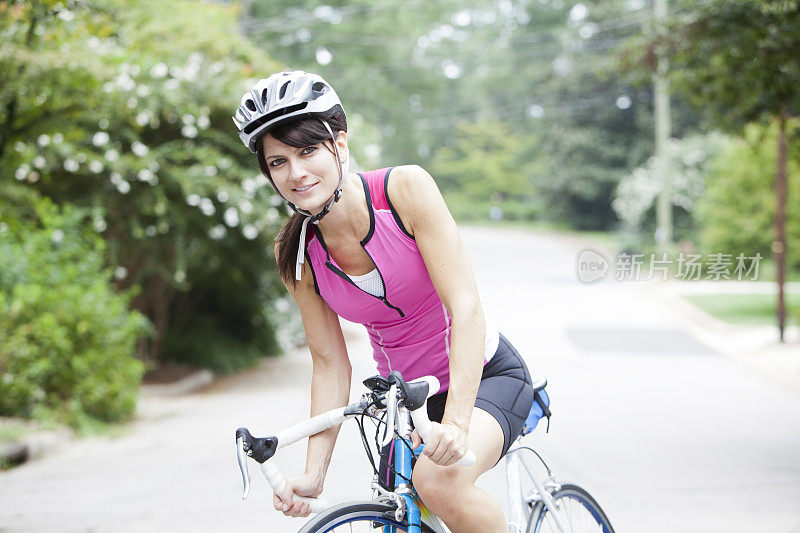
[{"x": 414, "y": 396}]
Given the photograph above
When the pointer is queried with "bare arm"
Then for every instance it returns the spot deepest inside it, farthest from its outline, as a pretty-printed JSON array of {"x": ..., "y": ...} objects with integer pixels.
[
  {"x": 330, "y": 382},
  {"x": 424, "y": 213}
]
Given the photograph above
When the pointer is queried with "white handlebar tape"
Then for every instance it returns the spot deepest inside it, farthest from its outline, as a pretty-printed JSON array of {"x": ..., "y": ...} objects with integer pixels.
[
  {"x": 424, "y": 425},
  {"x": 312, "y": 426},
  {"x": 278, "y": 483}
]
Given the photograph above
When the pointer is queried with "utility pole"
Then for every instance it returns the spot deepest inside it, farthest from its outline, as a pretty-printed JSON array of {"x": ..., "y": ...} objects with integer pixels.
[{"x": 663, "y": 127}]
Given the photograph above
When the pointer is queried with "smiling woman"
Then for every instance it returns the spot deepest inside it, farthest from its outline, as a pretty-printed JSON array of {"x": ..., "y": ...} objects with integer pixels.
[{"x": 381, "y": 248}]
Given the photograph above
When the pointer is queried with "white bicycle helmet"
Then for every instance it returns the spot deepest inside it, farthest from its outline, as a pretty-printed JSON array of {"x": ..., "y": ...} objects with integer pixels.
[{"x": 281, "y": 98}]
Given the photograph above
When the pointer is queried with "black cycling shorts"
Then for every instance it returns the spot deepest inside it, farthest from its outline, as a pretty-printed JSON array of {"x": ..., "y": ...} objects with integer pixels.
[{"x": 505, "y": 392}]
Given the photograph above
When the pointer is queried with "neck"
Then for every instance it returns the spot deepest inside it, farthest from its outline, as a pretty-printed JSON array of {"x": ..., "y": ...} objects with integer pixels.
[{"x": 346, "y": 216}]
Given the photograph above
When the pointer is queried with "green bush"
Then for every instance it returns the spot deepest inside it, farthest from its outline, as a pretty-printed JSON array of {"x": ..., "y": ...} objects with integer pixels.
[
  {"x": 737, "y": 213},
  {"x": 67, "y": 340}
]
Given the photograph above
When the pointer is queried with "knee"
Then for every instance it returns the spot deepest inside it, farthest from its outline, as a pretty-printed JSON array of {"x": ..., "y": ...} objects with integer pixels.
[{"x": 438, "y": 487}]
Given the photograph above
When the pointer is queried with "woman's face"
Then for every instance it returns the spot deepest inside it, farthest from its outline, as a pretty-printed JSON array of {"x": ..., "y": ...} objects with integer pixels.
[{"x": 308, "y": 176}]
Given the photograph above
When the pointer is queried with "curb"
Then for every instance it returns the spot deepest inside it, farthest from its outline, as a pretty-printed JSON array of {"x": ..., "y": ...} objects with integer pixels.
[
  {"x": 192, "y": 383},
  {"x": 33, "y": 445}
]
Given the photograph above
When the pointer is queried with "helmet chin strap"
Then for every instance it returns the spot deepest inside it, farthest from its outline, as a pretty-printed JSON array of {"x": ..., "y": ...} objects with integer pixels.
[{"x": 314, "y": 219}]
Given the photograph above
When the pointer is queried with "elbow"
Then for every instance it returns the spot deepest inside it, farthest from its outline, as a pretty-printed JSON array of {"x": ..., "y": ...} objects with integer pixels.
[{"x": 471, "y": 313}]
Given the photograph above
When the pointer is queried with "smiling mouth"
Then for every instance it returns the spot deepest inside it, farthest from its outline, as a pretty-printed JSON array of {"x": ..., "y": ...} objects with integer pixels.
[{"x": 302, "y": 189}]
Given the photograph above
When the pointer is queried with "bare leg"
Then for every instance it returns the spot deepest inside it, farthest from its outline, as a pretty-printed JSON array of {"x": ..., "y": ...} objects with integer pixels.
[{"x": 450, "y": 491}]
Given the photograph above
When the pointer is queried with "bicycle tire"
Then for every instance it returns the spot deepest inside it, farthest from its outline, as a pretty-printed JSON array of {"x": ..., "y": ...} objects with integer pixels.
[
  {"x": 581, "y": 512},
  {"x": 366, "y": 512}
]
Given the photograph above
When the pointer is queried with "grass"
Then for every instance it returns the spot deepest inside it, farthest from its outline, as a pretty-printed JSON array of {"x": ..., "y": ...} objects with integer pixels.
[{"x": 752, "y": 309}]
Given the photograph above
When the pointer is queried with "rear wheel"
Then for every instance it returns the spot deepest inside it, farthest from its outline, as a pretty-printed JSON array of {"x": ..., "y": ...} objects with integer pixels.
[
  {"x": 576, "y": 508},
  {"x": 357, "y": 517}
]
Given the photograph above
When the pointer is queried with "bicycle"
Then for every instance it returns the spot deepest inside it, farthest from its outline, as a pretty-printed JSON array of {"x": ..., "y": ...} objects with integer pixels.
[{"x": 535, "y": 505}]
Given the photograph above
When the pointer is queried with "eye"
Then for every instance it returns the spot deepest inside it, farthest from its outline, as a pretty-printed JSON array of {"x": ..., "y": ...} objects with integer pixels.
[
  {"x": 276, "y": 162},
  {"x": 308, "y": 149}
]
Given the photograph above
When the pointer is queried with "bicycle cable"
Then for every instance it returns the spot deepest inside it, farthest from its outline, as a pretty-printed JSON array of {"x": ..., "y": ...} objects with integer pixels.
[{"x": 549, "y": 472}]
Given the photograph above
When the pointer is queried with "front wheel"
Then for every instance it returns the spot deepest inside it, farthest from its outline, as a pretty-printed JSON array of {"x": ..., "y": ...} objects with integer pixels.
[
  {"x": 358, "y": 516},
  {"x": 579, "y": 513}
]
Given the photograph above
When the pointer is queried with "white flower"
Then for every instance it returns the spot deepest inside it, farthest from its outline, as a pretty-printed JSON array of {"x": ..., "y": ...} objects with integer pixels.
[
  {"x": 189, "y": 132},
  {"x": 120, "y": 272},
  {"x": 143, "y": 117},
  {"x": 147, "y": 176},
  {"x": 100, "y": 225},
  {"x": 39, "y": 161},
  {"x": 160, "y": 70},
  {"x": 95, "y": 166},
  {"x": 142, "y": 90},
  {"x": 217, "y": 232},
  {"x": 273, "y": 214},
  {"x": 58, "y": 138},
  {"x": 139, "y": 149},
  {"x": 207, "y": 207},
  {"x": 43, "y": 140},
  {"x": 100, "y": 138},
  {"x": 231, "y": 217},
  {"x": 188, "y": 119},
  {"x": 193, "y": 200},
  {"x": 111, "y": 155},
  {"x": 203, "y": 122},
  {"x": 222, "y": 196},
  {"x": 57, "y": 236},
  {"x": 151, "y": 231},
  {"x": 245, "y": 207},
  {"x": 103, "y": 123},
  {"x": 250, "y": 232},
  {"x": 70, "y": 165},
  {"x": 123, "y": 187},
  {"x": 22, "y": 172}
]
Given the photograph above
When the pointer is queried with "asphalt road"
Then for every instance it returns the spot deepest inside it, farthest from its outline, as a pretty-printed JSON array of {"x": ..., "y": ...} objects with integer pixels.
[{"x": 668, "y": 432}]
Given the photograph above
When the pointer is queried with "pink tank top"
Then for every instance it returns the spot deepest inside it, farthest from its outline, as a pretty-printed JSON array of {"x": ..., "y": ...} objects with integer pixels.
[{"x": 409, "y": 327}]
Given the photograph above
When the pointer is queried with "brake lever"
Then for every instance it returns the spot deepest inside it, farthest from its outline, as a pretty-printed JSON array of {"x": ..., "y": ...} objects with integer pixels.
[
  {"x": 242, "y": 457},
  {"x": 391, "y": 408}
]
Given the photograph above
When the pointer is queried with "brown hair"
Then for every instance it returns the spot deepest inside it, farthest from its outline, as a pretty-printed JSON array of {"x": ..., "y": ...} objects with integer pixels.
[{"x": 299, "y": 134}]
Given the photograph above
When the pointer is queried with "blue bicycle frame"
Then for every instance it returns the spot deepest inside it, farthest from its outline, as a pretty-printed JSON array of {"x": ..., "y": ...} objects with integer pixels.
[{"x": 403, "y": 467}]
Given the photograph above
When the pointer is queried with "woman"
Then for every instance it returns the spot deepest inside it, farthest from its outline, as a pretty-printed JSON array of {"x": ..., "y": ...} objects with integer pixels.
[{"x": 383, "y": 250}]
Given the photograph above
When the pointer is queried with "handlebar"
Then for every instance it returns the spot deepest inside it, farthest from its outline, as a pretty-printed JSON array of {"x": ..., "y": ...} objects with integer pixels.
[{"x": 412, "y": 395}]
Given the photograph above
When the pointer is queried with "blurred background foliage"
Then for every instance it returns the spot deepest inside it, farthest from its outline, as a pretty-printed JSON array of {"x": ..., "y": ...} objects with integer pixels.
[{"x": 116, "y": 142}]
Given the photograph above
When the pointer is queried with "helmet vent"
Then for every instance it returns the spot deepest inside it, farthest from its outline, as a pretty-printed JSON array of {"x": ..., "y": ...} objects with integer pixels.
[
  {"x": 250, "y": 105},
  {"x": 264, "y": 96},
  {"x": 318, "y": 87},
  {"x": 282, "y": 92}
]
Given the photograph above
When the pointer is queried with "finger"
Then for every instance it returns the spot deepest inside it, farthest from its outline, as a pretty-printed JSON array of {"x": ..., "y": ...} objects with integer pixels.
[
  {"x": 416, "y": 440},
  {"x": 276, "y": 501},
  {"x": 286, "y": 498}
]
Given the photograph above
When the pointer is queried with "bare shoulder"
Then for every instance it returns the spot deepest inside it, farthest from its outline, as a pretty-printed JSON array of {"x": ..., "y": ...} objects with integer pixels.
[
  {"x": 408, "y": 180},
  {"x": 416, "y": 197}
]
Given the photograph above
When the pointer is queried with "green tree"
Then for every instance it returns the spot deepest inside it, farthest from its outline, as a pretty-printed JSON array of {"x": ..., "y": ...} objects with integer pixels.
[
  {"x": 737, "y": 60},
  {"x": 738, "y": 210},
  {"x": 124, "y": 108}
]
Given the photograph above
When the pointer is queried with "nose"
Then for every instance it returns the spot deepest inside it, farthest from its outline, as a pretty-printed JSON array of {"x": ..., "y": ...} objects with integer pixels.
[{"x": 297, "y": 171}]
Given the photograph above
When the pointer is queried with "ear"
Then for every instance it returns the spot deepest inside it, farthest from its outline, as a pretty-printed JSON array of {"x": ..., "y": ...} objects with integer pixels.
[{"x": 341, "y": 144}]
